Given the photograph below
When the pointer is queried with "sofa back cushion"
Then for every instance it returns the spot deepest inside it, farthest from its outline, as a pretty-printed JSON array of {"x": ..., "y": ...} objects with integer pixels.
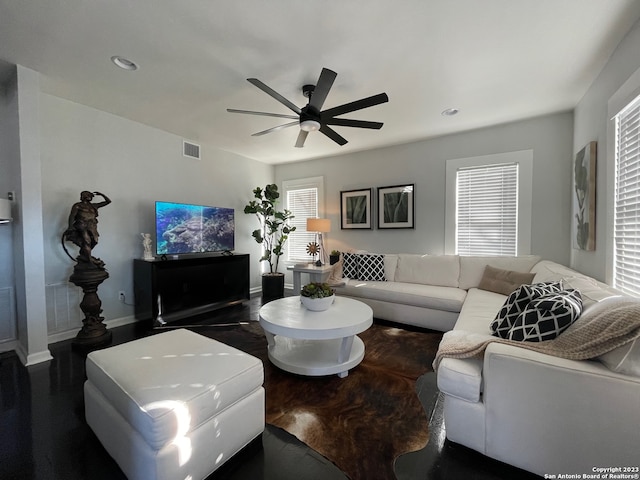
[
  {"x": 439, "y": 270},
  {"x": 472, "y": 268},
  {"x": 591, "y": 290}
]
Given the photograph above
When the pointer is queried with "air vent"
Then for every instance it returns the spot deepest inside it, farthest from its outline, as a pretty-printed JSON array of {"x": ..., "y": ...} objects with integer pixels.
[{"x": 190, "y": 150}]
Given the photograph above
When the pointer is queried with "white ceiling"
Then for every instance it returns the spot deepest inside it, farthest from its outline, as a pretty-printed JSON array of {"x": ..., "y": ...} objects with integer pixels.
[{"x": 495, "y": 60}]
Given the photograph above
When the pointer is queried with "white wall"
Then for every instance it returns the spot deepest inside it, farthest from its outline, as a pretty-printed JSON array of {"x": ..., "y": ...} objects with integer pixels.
[
  {"x": 423, "y": 163},
  {"x": 9, "y": 153},
  {"x": 135, "y": 165},
  {"x": 591, "y": 121}
]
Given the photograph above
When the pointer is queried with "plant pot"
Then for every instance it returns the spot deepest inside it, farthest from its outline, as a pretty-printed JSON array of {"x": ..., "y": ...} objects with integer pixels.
[
  {"x": 272, "y": 286},
  {"x": 333, "y": 259},
  {"x": 317, "y": 304}
]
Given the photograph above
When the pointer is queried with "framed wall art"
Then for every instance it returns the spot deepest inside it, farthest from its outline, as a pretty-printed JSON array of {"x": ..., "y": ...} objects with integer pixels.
[
  {"x": 355, "y": 209},
  {"x": 584, "y": 198},
  {"x": 396, "y": 206}
]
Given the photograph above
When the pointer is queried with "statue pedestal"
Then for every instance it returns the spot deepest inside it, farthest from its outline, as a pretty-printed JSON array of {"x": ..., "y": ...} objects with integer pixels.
[{"x": 94, "y": 333}]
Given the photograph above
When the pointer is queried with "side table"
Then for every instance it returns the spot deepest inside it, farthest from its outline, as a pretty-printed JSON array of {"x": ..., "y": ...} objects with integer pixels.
[{"x": 317, "y": 274}]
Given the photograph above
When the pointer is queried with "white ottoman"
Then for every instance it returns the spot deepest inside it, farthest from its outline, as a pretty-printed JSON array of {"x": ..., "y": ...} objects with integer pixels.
[{"x": 175, "y": 405}]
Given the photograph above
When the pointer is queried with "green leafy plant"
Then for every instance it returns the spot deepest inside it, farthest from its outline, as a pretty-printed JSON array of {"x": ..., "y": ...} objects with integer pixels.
[
  {"x": 275, "y": 228},
  {"x": 335, "y": 253},
  {"x": 317, "y": 290}
]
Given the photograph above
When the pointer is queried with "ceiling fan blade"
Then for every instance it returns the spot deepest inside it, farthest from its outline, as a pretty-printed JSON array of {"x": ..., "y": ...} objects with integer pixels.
[
  {"x": 333, "y": 135},
  {"x": 275, "y": 129},
  {"x": 325, "y": 82},
  {"x": 357, "y": 105},
  {"x": 302, "y": 136},
  {"x": 269, "y": 91},
  {"x": 347, "y": 122},
  {"x": 266, "y": 114}
]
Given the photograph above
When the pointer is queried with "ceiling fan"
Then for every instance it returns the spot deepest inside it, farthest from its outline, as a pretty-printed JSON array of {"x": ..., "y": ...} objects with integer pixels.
[{"x": 310, "y": 117}]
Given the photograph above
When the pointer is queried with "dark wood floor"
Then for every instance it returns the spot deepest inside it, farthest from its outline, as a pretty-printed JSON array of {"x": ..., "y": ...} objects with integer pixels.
[{"x": 43, "y": 434}]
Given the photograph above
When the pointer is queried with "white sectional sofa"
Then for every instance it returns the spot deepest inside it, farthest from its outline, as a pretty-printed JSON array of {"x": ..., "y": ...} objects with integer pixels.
[{"x": 541, "y": 413}]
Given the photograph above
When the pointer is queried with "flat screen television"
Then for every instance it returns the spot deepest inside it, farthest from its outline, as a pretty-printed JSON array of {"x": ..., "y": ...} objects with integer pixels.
[{"x": 183, "y": 228}]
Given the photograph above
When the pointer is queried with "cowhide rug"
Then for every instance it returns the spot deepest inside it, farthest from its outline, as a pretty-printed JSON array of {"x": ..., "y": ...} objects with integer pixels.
[{"x": 363, "y": 422}]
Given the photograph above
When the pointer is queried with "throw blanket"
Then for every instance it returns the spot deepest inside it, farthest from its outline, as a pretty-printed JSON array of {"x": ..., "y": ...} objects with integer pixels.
[{"x": 603, "y": 327}]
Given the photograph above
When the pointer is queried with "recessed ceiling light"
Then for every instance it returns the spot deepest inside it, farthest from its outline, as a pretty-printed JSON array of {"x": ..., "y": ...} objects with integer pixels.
[
  {"x": 450, "y": 112},
  {"x": 124, "y": 63}
]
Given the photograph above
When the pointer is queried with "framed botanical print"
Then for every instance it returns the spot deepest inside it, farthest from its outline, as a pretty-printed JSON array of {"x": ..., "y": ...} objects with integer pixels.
[
  {"x": 355, "y": 209},
  {"x": 584, "y": 198},
  {"x": 396, "y": 206}
]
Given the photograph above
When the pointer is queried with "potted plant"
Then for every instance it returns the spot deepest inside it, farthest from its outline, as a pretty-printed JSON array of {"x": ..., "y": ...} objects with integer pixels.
[
  {"x": 272, "y": 235},
  {"x": 317, "y": 296},
  {"x": 334, "y": 257}
]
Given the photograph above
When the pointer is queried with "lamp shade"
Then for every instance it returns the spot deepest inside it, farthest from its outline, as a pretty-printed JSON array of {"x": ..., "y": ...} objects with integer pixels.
[
  {"x": 322, "y": 225},
  {"x": 5, "y": 211}
]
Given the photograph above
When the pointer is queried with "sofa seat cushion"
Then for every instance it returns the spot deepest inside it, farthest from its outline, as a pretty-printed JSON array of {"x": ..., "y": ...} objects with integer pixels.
[
  {"x": 480, "y": 307},
  {"x": 439, "y": 298},
  {"x": 461, "y": 378},
  {"x": 157, "y": 382}
]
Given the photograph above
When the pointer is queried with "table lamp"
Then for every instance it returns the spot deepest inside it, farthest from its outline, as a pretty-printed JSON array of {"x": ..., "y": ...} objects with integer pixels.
[{"x": 320, "y": 226}]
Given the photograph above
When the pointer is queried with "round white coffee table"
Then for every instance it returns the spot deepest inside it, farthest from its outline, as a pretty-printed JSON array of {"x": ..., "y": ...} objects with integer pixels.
[{"x": 315, "y": 343}]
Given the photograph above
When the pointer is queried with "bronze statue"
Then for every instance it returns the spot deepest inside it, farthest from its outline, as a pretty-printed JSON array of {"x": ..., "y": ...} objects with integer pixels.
[
  {"x": 88, "y": 272},
  {"x": 83, "y": 226}
]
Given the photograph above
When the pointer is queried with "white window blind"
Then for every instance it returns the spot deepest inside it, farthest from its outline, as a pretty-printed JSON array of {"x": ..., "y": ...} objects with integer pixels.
[
  {"x": 487, "y": 210},
  {"x": 303, "y": 202},
  {"x": 626, "y": 234}
]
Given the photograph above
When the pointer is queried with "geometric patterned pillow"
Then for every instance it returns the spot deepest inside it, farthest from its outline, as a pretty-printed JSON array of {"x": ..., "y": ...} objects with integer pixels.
[
  {"x": 516, "y": 303},
  {"x": 371, "y": 268},
  {"x": 350, "y": 265},
  {"x": 547, "y": 317}
]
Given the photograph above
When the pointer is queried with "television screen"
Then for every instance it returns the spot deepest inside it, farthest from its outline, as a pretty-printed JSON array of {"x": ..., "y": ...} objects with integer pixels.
[{"x": 183, "y": 228}]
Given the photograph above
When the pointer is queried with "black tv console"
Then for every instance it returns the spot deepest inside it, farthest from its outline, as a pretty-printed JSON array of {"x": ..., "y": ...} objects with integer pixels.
[{"x": 177, "y": 288}]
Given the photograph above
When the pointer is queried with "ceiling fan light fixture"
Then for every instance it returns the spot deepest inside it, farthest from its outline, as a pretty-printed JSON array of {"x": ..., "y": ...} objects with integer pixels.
[{"x": 310, "y": 125}]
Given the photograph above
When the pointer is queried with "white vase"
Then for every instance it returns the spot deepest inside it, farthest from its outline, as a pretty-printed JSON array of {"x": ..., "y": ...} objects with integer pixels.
[{"x": 317, "y": 304}]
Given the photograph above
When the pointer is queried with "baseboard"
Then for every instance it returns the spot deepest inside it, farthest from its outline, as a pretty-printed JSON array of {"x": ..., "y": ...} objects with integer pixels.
[{"x": 69, "y": 334}]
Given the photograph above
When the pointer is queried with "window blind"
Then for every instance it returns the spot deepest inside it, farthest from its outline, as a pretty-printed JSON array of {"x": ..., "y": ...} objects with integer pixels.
[
  {"x": 487, "y": 210},
  {"x": 626, "y": 235},
  {"x": 303, "y": 202}
]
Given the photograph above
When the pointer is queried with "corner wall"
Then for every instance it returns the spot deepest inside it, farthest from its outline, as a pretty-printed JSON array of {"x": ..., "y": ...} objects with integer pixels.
[
  {"x": 591, "y": 121},
  {"x": 423, "y": 163}
]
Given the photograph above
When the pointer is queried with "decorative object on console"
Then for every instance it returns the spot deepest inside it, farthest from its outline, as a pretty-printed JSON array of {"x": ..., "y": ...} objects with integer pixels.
[
  {"x": 584, "y": 198},
  {"x": 312, "y": 249},
  {"x": 317, "y": 296},
  {"x": 396, "y": 206},
  {"x": 334, "y": 257},
  {"x": 88, "y": 272},
  {"x": 320, "y": 226},
  {"x": 310, "y": 118},
  {"x": 272, "y": 235},
  {"x": 146, "y": 245},
  {"x": 355, "y": 209}
]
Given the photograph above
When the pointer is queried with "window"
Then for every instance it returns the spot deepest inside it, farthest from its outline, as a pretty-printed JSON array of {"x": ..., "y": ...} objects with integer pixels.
[
  {"x": 487, "y": 210},
  {"x": 304, "y": 198},
  {"x": 626, "y": 228},
  {"x": 488, "y": 204}
]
